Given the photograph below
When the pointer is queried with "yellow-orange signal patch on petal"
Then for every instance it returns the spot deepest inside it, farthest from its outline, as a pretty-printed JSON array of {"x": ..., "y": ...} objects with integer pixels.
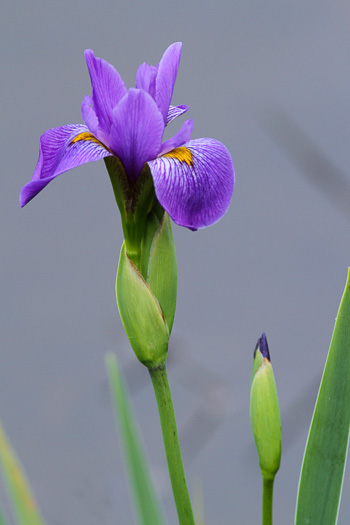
[
  {"x": 87, "y": 136},
  {"x": 182, "y": 154}
]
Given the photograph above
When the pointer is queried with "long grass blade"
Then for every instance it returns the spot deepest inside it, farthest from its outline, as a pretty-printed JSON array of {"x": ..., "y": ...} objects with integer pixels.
[
  {"x": 322, "y": 473},
  {"x": 144, "y": 495},
  {"x": 23, "y": 503}
]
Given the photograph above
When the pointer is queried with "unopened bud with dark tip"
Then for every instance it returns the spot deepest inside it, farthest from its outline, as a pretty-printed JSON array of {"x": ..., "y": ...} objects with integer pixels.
[
  {"x": 264, "y": 411},
  {"x": 263, "y": 347}
]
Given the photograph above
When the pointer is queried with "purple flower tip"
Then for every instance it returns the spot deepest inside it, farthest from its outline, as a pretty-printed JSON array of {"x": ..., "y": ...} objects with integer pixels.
[{"x": 263, "y": 347}]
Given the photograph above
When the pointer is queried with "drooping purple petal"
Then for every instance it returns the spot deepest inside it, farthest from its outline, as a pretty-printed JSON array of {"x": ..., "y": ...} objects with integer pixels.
[
  {"x": 166, "y": 77},
  {"x": 146, "y": 78},
  {"x": 108, "y": 89},
  {"x": 62, "y": 149},
  {"x": 182, "y": 136},
  {"x": 194, "y": 183},
  {"x": 174, "y": 112},
  {"x": 137, "y": 131}
]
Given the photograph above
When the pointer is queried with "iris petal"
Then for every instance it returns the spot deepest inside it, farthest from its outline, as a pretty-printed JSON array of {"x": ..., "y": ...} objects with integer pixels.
[
  {"x": 174, "y": 112},
  {"x": 194, "y": 183},
  {"x": 146, "y": 78},
  {"x": 108, "y": 89},
  {"x": 62, "y": 149},
  {"x": 182, "y": 136},
  {"x": 137, "y": 131},
  {"x": 166, "y": 77},
  {"x": 91, "y": 120},
  {"x": 89, "y": 115}
]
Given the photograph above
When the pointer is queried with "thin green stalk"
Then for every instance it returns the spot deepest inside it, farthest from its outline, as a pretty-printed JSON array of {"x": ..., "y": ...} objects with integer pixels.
[
  {"x": 171, "y": 444},
  {"x": 267, "y": 501}
]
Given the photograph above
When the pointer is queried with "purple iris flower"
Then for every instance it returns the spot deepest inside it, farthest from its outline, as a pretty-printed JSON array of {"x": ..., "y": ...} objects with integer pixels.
[{"x": 193, "y": 179}]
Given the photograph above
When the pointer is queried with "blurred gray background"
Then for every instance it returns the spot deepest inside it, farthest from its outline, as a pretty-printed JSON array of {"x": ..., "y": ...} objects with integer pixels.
[{"x": 272, "y": 81}]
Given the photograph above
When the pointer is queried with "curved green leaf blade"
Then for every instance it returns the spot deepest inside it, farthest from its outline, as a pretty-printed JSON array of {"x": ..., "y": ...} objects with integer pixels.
[
  {"x": 145, "y": 500},
  {"x": 323, "y": 466},
  {"x": 23, "y": 503}
]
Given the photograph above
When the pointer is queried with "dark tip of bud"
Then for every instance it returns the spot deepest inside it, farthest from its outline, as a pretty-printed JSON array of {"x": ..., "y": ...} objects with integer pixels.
[{"x": 263, "y": 347}]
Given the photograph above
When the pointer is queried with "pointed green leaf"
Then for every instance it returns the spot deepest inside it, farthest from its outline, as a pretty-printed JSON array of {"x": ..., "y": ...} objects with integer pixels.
[
  {"x": 23, "y": 503},
  {"x": 146, "y": 502},
  {"x": 162, "y": 270},
  {"x": 323, "y": 466}
]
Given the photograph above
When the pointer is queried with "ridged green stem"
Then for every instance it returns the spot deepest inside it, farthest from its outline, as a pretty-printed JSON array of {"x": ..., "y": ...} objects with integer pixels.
[
  {"x": 172, "y": 446},
  {"x": 267, "y": 501}
]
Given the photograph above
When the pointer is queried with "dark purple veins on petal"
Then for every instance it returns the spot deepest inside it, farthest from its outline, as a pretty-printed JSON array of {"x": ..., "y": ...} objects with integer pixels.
[
  {"x": 60, "y": 151},
  {"x": 194, "y": 183},
  {"x": 174, "y": 112}
]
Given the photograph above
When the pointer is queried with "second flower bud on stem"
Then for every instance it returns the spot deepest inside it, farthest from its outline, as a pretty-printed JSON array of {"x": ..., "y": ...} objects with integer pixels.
[{"x": 266, "y": 423}]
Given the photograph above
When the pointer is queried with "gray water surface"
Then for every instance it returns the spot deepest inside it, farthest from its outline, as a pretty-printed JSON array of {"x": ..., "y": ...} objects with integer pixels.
[{"x": 272, "y": 81}]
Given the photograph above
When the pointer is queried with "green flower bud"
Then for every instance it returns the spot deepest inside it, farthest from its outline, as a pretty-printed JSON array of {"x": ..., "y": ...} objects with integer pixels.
[
  {"x": 146, "y": 295},
  {"x": 141, "y": 314},
  {"x": 264, "y": 411}
]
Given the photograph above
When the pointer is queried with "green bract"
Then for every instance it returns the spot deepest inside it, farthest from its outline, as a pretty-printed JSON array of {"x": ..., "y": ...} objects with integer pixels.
[
  {"x": 146, "y": 295},
  {"x": 265, "y": 416},
  {"x": 162, "y": 272},
  {"x": 134, "y": 203}
]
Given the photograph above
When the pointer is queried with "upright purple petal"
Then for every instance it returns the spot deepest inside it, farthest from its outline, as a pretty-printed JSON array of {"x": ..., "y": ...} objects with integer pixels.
[
  {"x": 166, "y": 77},
  {"x": 194, "y": 183},
  {"x": 62, "y": 149},
  {"x": 108, "y": 89},
  {"x": 146, "y": 78},
  {"x": 89, "y": 115},
  {"x": 91, "y": 120},
  {"x": 137, "y": 131},
  {"x": 174, "y": 112},
  {"x": 182, "y": 136}
]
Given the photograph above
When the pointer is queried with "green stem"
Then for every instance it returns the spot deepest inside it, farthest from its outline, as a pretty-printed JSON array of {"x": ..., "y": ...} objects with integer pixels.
[
  {"x": 171, "y": 444},
  {"x": 267, "y": 501}
]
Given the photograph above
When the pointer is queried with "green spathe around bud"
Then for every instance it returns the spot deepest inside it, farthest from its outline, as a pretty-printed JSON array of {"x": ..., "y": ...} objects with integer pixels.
[
  {"x": 146, "y": 295},
  {"x": 141, "y": 314},
  {"x": 264, "y": 412}
]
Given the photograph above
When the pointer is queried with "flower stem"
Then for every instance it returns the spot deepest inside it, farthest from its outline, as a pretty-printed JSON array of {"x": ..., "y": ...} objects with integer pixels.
[
  {"x": 267, "y": 501},
  {"x": 171, "y": 444}
]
